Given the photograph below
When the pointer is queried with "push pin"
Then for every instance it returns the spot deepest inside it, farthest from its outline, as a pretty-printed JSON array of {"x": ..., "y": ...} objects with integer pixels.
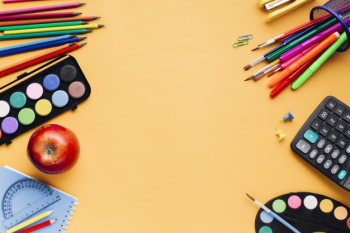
[
  {"x": 280, "y": 134},
  {"x": 288, "y": 117}
]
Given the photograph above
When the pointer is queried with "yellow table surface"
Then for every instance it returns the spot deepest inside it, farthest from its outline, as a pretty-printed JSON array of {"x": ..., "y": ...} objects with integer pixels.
[{"x": 172, "y": 137}]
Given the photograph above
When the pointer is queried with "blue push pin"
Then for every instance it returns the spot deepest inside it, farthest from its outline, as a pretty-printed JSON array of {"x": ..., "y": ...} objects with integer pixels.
[{"x": 288, "y": 117}]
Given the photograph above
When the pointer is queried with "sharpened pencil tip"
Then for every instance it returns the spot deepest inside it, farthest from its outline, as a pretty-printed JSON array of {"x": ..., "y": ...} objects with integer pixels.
[
  {"x": 73, "y": 35},
  {"x": 84, "y": 22},
  {"x": 82, "y": 38},
  {"x": 76, "y": 13},
  {"x": 71, "y": 44},
  {"x": 256, "y": 48},
  {"x": 95, "y": 17},
  {"x": 250, "y": 197},
  {"x": 81, "y": 3},
  {"x": 247, "y": 67},
  {"x": 88, "y": 30},
  {"x": 82, "y": 44},
  {"x": 100, "y": 25}
]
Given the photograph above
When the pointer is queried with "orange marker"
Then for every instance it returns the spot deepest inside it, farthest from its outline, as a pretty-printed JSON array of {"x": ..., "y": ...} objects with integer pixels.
[{"x": 301, "y": 61}]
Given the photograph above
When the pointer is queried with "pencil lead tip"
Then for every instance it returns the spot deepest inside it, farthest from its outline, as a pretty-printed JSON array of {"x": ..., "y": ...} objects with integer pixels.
[
  {"x": 247, "y": 67},
  {"x": 250, "y": 197},
  {"x": 84, "y": 22},
  {"x": 71, "y": 44},
  {"x": 53, "y": 221},
  {"x": 95, "y": 17},
  {"x": 88, "y": 30},
  {"x": 82, "y": 38},
  {"x": 76, "y": 13},
  {"x": 256, "y": 48},
  {"x": 100, "y": 25},
  {"x": 249, "y": 78},
  {"x": 82, "y": 44},
  {"x": 81, "y": 3}
]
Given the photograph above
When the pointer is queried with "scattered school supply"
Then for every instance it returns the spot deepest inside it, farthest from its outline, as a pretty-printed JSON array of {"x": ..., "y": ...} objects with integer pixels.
[
  {"x": 13, "y": 1},
  {"x": 269, "y": 66},
  {"x": 38, "y": 226},
  {"x": 280, "y": 135},
  {"x": 41, "y": 21},
  {"x": 41, "y": 9},
  {"x": 53, "y": 29},
  {"x": 323, "y": 141},
  {"x": 308, "y": 212},
  {"x": 274, "y": 215},
  {"x": 288, "y": 117},
  {"x": 240, "y": 43},
  {"x": 317, "y": 64},
  {"x": 267, "y": 72},
  {"x": 30, "y": 221},
  {"x": 293, "y": 67},
  {"x": 245, "y": 37},
  {"x": 24, "y": 93},
  {"x": 24, "y": 198},
  {"x": 44, "y": 25},
  {"x": 44, "y": 34},
  {"x": 39, "y": 16}
]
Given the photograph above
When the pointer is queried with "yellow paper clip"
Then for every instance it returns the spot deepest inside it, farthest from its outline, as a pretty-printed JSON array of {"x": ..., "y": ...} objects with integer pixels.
[
  {"x": 280, "y": 134},
  {"x": 240, "y": 43},
  {"x": 271, "y": 4}
]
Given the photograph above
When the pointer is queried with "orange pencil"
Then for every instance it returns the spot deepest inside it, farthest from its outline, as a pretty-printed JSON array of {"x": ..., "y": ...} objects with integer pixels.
[{"x": 301, "y": 61}]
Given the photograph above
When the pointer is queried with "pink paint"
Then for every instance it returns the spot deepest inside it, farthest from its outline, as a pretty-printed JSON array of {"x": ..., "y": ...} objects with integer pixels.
[
  {"x": 294, "y": 202},
  {"x": 34, "y": 91}
]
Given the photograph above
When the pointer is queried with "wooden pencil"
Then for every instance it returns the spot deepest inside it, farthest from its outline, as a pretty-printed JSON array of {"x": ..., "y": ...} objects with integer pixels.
[{"x": 40, "y": 21}]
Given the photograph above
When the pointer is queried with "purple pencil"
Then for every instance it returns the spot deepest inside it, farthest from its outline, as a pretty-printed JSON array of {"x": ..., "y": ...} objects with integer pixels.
[
  {"x": 41, "y": 9},
  {"x": 39, "y": 16}
]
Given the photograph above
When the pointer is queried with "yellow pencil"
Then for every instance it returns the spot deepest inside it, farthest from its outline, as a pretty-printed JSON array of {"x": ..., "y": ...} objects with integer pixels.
[
  {"x": 35, "y": 30},
  {"x": 29, "y": 222}
]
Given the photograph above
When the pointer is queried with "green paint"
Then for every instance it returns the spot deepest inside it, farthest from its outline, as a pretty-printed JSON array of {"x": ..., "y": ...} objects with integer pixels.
[
  {"x": 279, "y": 206},
  {"x": 26, "y": 116},
  {"x": 265, "y": 229},
  {"x": 18, "y": 100}
]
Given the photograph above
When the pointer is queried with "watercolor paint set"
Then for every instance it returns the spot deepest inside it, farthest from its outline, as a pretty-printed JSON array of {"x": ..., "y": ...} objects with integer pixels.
[
  {"x": 38, "y": 96},
  {"x": 307, "y": 212}
]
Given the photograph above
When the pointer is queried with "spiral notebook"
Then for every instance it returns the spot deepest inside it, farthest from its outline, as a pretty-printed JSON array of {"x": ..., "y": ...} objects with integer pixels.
[{"x": 23, "y": 198}]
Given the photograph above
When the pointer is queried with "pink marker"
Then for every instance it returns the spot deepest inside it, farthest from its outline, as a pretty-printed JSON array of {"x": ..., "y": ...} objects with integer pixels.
[{"x": 296, "y": 57}]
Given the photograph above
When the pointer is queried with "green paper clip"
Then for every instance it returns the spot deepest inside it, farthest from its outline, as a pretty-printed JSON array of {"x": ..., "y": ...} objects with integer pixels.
[{"x": 240, "y": 43}]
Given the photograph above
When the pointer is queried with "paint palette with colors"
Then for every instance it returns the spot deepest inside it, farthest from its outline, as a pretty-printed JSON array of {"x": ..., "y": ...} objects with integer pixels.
[
  {"x": 54, "y": 88},
  {"x": 307, "y": 212}
]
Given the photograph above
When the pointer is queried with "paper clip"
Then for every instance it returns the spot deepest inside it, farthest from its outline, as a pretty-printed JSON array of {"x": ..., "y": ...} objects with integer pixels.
[
  {"x": 240, "y": 43},
  {"x": 245, "y": 37}
]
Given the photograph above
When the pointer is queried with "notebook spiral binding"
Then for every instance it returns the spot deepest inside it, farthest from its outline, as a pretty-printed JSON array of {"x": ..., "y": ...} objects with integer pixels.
[{"x": 65, "y": 222}]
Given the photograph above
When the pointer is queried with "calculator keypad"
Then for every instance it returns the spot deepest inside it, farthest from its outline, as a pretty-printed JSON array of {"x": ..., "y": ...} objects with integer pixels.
[{"x": 324, "y": 141}]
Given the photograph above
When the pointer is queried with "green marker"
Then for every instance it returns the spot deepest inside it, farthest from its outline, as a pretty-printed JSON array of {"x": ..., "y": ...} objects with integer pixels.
[
  {"x": 42, "y": 25},
  {"x": 317, "y": 64},
  {"x": 44, "y": 34}
]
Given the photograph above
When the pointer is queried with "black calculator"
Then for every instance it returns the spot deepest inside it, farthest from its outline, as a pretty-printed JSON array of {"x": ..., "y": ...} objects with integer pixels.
[{"x": 324, "y": 141}]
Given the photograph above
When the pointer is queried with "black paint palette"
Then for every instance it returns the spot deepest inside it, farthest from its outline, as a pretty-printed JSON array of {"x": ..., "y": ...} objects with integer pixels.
[
  {"x": 38, "y": 96},
  {"x": 307, "y": 212}
]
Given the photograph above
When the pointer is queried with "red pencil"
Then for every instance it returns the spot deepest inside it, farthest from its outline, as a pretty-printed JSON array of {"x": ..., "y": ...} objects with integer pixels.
[
  {"x": 285, "y": 83},
  {"x": 41, "y": 59},
  {"x": 38, "y": 226}
]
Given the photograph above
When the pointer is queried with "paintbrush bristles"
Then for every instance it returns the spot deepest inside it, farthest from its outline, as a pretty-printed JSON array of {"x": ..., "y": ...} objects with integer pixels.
[
  {"x": 250, "y": 197},
  {"x": 247, "y": 67}
]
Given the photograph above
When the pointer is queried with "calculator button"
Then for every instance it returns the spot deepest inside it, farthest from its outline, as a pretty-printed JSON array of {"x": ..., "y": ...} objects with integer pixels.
[
  {"x": 324, "y": 114},
  {"x": 335, "y": 169},
  {"x": 342, "y": 159},
  {"x": 321, "y": 143},
  {"x": 346, "y": 117},
  {"x": 327, "y": 164},
  {"x": 332, "y": 120},
  {"x": 342, "y": 175},
  {"x": 325, "y": 130},
  {"x": 310, "y": 136},
  {"x": 335, "y": 154},
  {"x": 347, "y": 133},
  {"x": 333, "y": 137},
  {"x": 331, "y": 105},
  {"x": 303, "y": 146},
  {"x": 316, "y": 124},
  {"x": 328, "y": 148},
  {"x": 320, "y": 159},
  {"x": 313, "y": 153},
  {"x": 339, "y": 111},
  {"x": 340, "y": 126},
  {"x": 342, "y": 143}
]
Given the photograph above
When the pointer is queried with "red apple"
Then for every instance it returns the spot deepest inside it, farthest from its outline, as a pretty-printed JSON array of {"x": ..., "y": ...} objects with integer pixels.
[{"x": 53, "y": 149}]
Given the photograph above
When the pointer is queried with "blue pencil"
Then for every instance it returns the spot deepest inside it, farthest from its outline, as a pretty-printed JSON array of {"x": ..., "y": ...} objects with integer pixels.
[
  {"x": 41, "y": 46},
  {"x": 36, "y": 42}
]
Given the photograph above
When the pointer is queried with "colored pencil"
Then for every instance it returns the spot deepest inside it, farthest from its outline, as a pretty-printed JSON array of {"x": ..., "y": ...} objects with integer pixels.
[
  {"x": 39, "y": 16},
  {"x": 36, "y": 42},
  {"x": 53, "y": 29},
  {"x": 29, "y": 222},
  {"x": 42, "y": 46},
  {"x": 38, "y": 226},
  {"x": 12, "y": 1},
  {"x": 41, "y": 59},
  {"x": 40, "y": 21},
  {"x": 43, "y": 34},
  {"x": 46, "y": 52},
  {"x": 43, "y": 25},
  {"x": 41, "y": 9},
  {"x": 313, "y": 52},
  {"x": 17, "y": 81}
]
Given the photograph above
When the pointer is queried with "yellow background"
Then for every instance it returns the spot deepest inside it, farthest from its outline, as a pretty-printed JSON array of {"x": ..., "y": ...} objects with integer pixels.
[{"x": 172, "y": 137}]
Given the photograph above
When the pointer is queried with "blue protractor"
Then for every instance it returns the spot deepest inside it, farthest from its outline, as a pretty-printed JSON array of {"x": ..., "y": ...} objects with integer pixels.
[{"x": 24, "y": 199}]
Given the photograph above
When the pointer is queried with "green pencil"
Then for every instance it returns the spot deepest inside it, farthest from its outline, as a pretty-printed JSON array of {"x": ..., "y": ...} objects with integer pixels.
[
  {"x": 317, "y": 64},
  {"x": 43, "y": 25},
  {"x": 44, "y": 34}
]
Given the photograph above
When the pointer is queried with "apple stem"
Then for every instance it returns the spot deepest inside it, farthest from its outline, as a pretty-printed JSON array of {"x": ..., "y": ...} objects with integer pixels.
[{"x": 50, "y": 150}]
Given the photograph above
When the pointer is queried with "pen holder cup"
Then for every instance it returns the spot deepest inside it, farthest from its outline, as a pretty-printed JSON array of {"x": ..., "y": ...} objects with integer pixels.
[{"x": 340, "y": 9}]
